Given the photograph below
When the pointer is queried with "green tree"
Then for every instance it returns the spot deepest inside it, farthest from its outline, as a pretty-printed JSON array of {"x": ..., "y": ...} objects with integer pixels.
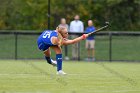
[{"x": 32, "y": 14}]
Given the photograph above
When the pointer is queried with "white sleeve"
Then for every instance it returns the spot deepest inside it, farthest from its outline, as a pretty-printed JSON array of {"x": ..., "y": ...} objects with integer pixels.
[
  {"x": 70, "y": 29},
  {"x": 82, "y": 27}
]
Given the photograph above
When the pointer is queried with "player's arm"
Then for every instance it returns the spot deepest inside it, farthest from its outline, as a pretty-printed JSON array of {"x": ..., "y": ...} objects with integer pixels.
[
  {"x": 68, "y": 42},
  {"x": 62, "y": 41}
]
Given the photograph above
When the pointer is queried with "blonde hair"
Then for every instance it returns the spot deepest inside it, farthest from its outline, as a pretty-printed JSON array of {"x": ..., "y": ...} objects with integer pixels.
[{"x": 60, "y": 28}]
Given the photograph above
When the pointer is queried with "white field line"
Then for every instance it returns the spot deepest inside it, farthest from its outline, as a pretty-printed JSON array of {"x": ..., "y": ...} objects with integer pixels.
[
  {"x": 48, "y": 74},
  {"x": 115, "y": 91},
  {"x": 18, "y": 74},
  {"x": 93, "y": 91},
  {"x": 122, "y": 91},
  {"x": 1, "y": 74},
  {"x": 23, "y": 92}
]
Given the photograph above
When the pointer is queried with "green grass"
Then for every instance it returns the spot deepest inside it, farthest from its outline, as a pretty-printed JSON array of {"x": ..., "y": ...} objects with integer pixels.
[{"x": 35, "y": 76}]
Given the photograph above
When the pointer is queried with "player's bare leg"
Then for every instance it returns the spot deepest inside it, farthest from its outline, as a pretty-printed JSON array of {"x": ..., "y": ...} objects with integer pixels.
[{"x": 47, "y": 54}]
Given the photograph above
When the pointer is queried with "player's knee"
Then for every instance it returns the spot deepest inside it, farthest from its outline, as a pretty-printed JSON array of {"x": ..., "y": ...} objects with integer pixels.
[
  {"x": 58, "y": 52},
  {"x": 47, "y": 53}
]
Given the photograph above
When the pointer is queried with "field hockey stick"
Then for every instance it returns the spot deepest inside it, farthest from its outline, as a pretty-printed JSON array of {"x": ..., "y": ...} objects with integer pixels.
[{"x": 107, "y": 24}]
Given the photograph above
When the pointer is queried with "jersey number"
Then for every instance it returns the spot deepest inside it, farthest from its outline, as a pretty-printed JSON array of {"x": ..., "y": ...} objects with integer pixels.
[{"x": 46, "y": 34}]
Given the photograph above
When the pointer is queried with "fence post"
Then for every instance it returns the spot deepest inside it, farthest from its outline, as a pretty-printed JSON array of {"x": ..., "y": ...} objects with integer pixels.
[
  {"x": 66, "y": 51},
  {"x": 15, "y": 46},
  {"x": 78, "y": 51},
  {"x": 49, "y": 14},
  {"x": 110, "y": 46}
]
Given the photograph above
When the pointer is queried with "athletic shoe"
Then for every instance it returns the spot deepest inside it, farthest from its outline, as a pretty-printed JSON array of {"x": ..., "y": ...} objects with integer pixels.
[
  {"x": 60, "y": 72},
  {"x": 54, "y": 63}
]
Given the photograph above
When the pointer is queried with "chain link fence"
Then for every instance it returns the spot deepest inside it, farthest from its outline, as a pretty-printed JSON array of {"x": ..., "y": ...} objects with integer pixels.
[{"x": 109, "y": 46}]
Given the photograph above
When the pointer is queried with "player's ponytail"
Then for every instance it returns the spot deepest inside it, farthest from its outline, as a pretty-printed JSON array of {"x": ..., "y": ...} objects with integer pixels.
[{"x": 57, "y": 28}]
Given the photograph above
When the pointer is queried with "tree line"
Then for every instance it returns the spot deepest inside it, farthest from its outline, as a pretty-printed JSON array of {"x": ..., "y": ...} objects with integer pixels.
[{"x": 123, "y": 15}]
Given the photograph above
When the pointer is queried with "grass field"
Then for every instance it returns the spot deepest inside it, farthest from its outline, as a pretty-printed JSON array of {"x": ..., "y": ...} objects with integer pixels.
[{"x": 28, "y": 76}]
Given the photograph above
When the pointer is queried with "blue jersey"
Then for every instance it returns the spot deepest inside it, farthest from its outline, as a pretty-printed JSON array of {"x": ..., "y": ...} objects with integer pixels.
[
  {"x": 44, "y": 40},
  {"x": 88, "y": 30}
]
